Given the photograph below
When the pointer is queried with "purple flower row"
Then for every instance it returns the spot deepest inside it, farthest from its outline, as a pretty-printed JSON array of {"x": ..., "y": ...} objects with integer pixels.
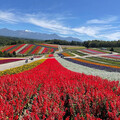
[{"x": 110, "y": 69}]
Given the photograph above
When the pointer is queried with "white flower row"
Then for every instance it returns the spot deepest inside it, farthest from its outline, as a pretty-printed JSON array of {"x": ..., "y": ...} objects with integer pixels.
[
  {"x": 41, "y": 50},
  {"x": 21, "y": 48},
  {"x": 87, "y": 70}
]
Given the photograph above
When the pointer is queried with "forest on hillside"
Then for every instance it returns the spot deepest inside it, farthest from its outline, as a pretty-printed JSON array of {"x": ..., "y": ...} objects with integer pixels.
[{"x": 90, "y": 43}]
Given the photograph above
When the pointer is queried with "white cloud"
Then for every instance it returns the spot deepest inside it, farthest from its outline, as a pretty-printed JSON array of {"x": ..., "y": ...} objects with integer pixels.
[
  {"x": 92, "y": 31},
  {"x": 8, "y": 17},
  {"x": 55, "y": 24},
  {"x": 102, "y": 21},
  {"x": 86, "y": 30},
  {"x": 112, "y": 36},
  {"x": 51, "y": 25}
]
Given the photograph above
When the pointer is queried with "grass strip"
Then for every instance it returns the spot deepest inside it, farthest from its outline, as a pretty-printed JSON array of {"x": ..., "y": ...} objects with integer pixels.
[{"x": 78, "y": 53}]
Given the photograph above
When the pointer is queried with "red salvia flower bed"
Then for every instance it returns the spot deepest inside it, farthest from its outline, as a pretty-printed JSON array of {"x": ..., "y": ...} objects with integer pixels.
[
  {"x": 58, "y": 94},
  {"x": 51, "y": 55}
]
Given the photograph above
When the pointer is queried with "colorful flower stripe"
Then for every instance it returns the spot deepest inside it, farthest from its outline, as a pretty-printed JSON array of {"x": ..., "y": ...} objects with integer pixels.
[
  {"x": 51, "y": 55},
  {"x": 66, "y": 54},
  {"x": 3, "y": 58},
  {"x": 93, "y": 64},
  {"x": 8, "y": 48},
  {"x": 44, "y": 51},
  {"x": 37, "y": 47},
  {"x": 30, "y": 49},
  {"x": 112, "y": 76},
  {"x": 21, "y": 49},
  {"x": 41, "y": 50},
  {"x": 2, "y": 48},
  {"x": 55, "y": 46},
  {"x": 49, "y": 49},
  {"x": 96, "y": 63},
  {"x": 112, "y": 56},
  {"x": 22, "y": 68},
  {"x": 26, "y": 48},
  {"x": 9, "y": 60},
  {"x": 52, "y": 50},
  {"x": 52, "y": 92},
  {"x": 46, "y": 56},
  {"x": 92, "y": 51},
  {"x": 17, "y": 48},
  {"x": 38, "y": 50},
  {"x": 9, "y": 51},
  {"x": 96, "y": 51},
  {"x": 11, "y": 48},
  {"x": 109, "y": 68}
]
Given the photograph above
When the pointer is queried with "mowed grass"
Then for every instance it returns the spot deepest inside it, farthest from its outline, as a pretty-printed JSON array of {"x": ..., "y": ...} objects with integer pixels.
[
  {"x": 98, "y": 49},
  {"x": 78, "y": 53},
  {"x": 116, "y": 49},
  {"x": 107, "y": 61},
  {"x": 72, "y": 47}
]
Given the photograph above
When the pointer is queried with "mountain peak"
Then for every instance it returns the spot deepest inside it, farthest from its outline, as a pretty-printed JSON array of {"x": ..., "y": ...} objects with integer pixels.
[{"x": 34, "y": 35}]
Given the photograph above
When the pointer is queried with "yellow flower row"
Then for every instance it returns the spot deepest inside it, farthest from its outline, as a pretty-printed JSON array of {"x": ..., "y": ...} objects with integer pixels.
[
  {"x": 47, "y": 55},
  {"x": 22, "y": 68}
]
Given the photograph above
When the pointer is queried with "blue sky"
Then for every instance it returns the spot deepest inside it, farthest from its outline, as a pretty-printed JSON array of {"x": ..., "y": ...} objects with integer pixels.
[{"x": 84, "y": 19}]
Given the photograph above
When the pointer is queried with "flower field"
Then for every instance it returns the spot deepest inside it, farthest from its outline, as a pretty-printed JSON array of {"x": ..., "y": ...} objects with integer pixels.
[
  {"x": 88, "y": 70},
  {"x": 56, "y": 93},
  {"x": 21, "y": 68},
  {"x": 49, "y": 45},
  {"x": 66, "y": 54},
  {"x": 91, "y": 51},
  {"x": 3, "y": 61},
  {"x": 91, "y": 64},
  {"x": 30, "y": 49},
  {"x": 112, "y": 56}
]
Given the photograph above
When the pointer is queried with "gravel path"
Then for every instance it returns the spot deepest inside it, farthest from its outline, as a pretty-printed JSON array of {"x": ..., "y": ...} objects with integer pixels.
[
  {"x": 17, "y": 63},
  {"x": 89, "y": 71}
]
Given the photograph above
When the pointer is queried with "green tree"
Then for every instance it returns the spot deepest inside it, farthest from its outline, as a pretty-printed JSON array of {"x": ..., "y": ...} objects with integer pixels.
[
  {"x": 14, "y": 53},
  {"x": 112, "y": 49}
]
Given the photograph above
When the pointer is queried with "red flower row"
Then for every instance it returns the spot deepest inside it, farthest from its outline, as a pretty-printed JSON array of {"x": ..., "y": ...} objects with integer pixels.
[{"x": 50, "y": 91}]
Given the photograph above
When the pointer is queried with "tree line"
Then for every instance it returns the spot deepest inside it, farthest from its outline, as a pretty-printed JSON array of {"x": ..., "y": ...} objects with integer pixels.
[
  {"x": 93, "y": 43},
  {"x": 13, "y": 41},
  {"x": 100, "y": 43},
  {"x": 63, "y": 42}
]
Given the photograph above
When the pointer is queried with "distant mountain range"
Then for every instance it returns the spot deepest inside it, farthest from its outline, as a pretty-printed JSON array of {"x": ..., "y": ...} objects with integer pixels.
[{"x": 33, "y": 35}]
